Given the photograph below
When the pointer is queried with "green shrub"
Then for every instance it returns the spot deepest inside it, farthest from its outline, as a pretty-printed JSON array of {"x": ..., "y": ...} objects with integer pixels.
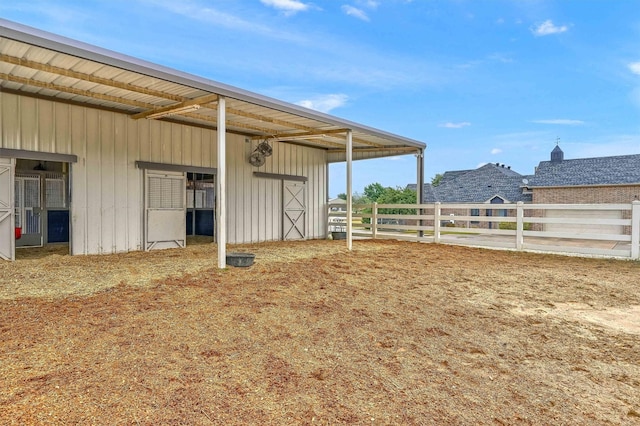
[{"x": 512, "y": 226}]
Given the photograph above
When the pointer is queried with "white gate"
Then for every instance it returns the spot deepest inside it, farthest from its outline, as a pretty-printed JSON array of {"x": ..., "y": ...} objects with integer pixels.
[
  {"x": 7, "y": 224},
  {"x": 28, "y": 209},
  {"x": 294, "y": 208},
  {"x": 165, "y": 210}
]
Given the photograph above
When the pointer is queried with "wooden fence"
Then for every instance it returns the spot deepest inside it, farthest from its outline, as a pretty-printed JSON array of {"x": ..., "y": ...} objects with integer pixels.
[{"x": 611, "y": 230}]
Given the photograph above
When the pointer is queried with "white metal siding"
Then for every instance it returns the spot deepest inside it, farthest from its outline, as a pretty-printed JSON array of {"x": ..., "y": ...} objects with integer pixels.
[{"x": 107, "y": 188}]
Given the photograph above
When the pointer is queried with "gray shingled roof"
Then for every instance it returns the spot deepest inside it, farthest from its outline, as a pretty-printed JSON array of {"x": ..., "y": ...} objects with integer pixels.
[
  {"x": 477, "y": 186},
  {"x": 622, "y": 169}
]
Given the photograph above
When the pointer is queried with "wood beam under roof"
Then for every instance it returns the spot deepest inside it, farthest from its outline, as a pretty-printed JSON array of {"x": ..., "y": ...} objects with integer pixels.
[
  {"x": 152, "y": 109},
  {"x": 74, "y": 91},
  {"x": 88, "y": 77},
  {"x": 206, "y": 99}
]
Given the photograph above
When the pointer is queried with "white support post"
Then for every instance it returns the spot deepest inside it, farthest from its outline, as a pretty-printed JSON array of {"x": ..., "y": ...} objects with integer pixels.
[
  {"x": 221, "y": 185},
  {"x": 635, "y": 230},
  {"x": 349, "y": 189},
  {"x": 436, "y": 222},
  {"x": 519, "y": 225},
  {"x": 374, "y": 220}
]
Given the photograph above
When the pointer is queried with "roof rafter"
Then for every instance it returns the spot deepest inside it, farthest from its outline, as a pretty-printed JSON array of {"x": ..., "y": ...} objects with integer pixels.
[{"x": 88, "y": 77}]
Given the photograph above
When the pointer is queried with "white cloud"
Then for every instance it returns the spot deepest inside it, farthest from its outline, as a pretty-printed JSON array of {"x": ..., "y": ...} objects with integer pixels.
[
  {"x": 495, "y": 151},
  {"x": 561, "y": 121},
  {"x": 548, "y": 28},
  {"x": 371, "y": 4},
  {"x": 355, "y": 12},
  {"x": 455, "y": 125},
  {"x": 324, "y": 103},
  {"x": 634, "y": 67},
  {"x": 289, "y": 7}
]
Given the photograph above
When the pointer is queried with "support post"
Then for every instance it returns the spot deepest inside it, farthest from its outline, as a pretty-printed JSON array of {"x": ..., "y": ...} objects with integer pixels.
[
  {"x": 374, "y": 220},
  {"x": 436, "y": 222},
  {"x": 349, "y": 189},
  {"x": 519, "y": 225},
  {"x": 635, "y": 230},
  {"x": 420, "y": 189},
  {"x": 221, "y": 185}
]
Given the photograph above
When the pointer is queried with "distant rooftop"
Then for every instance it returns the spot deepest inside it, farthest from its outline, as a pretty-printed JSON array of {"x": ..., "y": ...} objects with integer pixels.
[{"x": 615, "y": 170}]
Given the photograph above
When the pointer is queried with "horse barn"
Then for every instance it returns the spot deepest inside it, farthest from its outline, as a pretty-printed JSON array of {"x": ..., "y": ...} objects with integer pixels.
[{"x": 108, "y": 153}]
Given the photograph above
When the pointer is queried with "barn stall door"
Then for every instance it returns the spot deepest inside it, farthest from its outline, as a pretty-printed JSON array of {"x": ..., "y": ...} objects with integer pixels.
[
  {"x": 28, "y": 196},
  {"x": 165, "y": 210},
  {"x": 7, "y": 237},
  {"x": 294, "y": 210}
]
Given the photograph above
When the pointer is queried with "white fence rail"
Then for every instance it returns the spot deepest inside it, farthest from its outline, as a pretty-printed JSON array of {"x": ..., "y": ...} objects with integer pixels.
[{"x": 611, "y": 230}]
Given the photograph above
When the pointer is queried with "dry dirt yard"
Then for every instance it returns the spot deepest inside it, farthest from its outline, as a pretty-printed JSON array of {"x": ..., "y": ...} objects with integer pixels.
[{"x": 390, "y": 333}]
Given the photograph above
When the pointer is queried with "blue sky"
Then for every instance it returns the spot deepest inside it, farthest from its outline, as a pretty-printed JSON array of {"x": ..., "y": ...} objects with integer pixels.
[{"x": 477, "y": 80}]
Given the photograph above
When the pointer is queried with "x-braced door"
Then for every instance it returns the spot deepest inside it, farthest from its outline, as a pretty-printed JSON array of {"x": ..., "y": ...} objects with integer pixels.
[
  {"x": 294, "y": 208},
  {"x": 7, "y": 224}
]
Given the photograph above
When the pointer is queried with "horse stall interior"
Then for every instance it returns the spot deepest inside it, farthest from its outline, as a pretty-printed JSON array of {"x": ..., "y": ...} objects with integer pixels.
[{"x": 41, "y": 190}]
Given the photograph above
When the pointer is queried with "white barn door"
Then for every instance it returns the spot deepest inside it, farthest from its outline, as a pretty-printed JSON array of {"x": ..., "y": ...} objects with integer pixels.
[
  {"x": 294, "y": 210},
  {"x": 165, "y": 210},
  {"x": 7, "y": 220}
]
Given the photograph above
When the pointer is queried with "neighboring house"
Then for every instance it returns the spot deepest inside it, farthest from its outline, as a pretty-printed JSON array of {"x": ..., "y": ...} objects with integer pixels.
[
  {"x": 597, "y": 180},
  {"x": 490, "y": 184},
  {"x": 109, "y": 153}
]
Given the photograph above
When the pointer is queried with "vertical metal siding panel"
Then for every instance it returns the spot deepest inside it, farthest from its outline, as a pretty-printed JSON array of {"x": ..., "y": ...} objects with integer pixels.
[
  {"x": 165, "y": 142},
  {"x": 10, "y": 121},
  {"x": 94, "y": 184},
  {"x": 155, "y": 141},
  {"x": 195, "y": 148},
  {"x": 209, "y": 147},
  {"x": 232, "y": 195},
  {"x": 134, "y": 183},
  {"x": 107, "y": 182},
  {"x": 79, "y": 181},
  {"x": 121, "y": 165},
  {"x": 62, "y": 136},
  {"x": 28, "y": 119},
  {"x": 143, "y": 137},
  {"x": 176, "y": 142},
  {"x": 46, "y": 126},
  {"x": 187, "y": 137}
]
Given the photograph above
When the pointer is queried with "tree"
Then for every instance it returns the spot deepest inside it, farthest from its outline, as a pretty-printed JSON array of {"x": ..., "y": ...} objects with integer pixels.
[
  {"x": 374, "y": 191},
  {"x": 389, "y": 196},
  {"x": 435, "y": 181},
  {"x": 342, "y": 196}
]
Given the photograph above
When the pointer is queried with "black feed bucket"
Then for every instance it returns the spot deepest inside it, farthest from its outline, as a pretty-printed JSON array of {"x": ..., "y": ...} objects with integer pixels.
[{"x": 240, "y": 259}]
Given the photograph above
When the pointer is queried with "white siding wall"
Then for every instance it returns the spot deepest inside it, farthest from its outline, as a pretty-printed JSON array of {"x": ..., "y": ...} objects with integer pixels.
[{"x": 106, "y": 209}]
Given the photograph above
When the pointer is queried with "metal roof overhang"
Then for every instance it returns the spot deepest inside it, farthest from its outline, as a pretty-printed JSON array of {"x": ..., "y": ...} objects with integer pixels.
[{"x": 44, "y": 65}]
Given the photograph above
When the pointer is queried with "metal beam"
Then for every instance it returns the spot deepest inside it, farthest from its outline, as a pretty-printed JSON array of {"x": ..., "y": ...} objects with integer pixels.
[
  {"x": 349, "y": 189},
  {"x": 221, "y": 185}
]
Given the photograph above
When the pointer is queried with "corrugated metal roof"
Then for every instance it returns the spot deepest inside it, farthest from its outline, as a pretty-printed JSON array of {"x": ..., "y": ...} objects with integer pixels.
[{"x": 37, "y": 63}]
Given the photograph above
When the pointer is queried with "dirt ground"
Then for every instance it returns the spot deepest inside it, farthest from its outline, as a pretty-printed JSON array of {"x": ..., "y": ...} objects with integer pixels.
[{"x": 390, "y": 333}]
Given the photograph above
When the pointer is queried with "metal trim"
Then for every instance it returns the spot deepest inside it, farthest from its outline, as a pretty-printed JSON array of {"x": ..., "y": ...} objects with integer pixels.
[
  {"x": 146, "y": 165},
  {"x": 280, "y": 177},
  {"x": 38, "y": 155}
]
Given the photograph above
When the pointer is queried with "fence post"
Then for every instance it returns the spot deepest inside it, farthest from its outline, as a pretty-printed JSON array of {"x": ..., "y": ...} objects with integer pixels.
[
  {"x": 635, "y": 230},
  {"x": 374, "y": 220},
  {"x": 519, "y": 225},
  {"x": 436, "y": 222}
]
